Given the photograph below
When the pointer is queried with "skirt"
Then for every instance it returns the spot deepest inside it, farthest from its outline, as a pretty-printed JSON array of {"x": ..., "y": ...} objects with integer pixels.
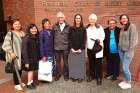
[{"x": 77, "y": 65}]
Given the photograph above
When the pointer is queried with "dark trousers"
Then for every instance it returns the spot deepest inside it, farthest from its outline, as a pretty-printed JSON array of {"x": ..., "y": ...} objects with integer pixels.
[
  {"x": 113, "y": 64},
  {"x": 15, "y": 78},
  {"x": 64, "y": 55},
  {"x": 95, "y": 66}
]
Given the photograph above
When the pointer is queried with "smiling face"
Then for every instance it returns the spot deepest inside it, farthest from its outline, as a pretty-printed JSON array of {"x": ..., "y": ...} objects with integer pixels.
[
  {"x": 92, "y": 19},
  {"x": 112, "y": 24},
  {"x": 78, "y": 20},
  {"x": 61, "y": 17},
  {"x": 46, "y": 25},
  {"x": 124, "y": 20},
  {"x": 33, "y": 30},
  {"x": 17, "y": 25}
]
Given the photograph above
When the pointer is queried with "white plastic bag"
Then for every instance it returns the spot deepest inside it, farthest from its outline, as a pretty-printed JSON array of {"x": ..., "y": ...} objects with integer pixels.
[{"x": 45, "y": 71}]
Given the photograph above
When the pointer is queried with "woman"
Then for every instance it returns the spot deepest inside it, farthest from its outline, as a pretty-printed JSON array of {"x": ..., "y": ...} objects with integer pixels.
[
  {"x": 95, "y": 32},
  {"x": 127, "y": 45},
  {"x": 76, "y": 59},
  {"x": 15, "y": 52},
  {"x": 46, "y": 41},
  {"x": 30, "y": 53}
]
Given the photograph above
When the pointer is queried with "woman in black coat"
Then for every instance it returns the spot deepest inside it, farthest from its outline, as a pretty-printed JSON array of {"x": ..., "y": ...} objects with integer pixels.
[{"x": 30, "y": 53}]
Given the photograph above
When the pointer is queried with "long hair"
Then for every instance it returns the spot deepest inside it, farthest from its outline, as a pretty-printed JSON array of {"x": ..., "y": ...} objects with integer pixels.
[
  {"x": 29, "y": 27},
  {"x": 81, "y": 23},
  {"x": 128, "y": 23},
  {"x": 12, "y": 22}
]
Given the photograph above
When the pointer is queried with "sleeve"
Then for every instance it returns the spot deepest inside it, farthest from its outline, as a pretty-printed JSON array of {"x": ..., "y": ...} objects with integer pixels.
[
  {"x": 70, "y": 38},
  {"x": 41, "y": 41},
  {"x": 25, "y": 50},
  {"x": 102, "y": 34},
  {"x": 84, "y": 39},
  {"x": 133, "y": 37},
  {"x": 7, "y": 44}
]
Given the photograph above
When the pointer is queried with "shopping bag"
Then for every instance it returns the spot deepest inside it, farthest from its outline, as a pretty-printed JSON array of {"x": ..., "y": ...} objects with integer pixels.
[{"x": 45, "y": 71}]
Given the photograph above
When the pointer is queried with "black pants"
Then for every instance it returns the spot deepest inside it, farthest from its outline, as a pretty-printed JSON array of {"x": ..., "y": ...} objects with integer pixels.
[
  {"x": 95, "y": 66},
  {"x": 113, "y": 64},
  {"x": 64, "y": 55},
  {"x": 15, "y": 78}
]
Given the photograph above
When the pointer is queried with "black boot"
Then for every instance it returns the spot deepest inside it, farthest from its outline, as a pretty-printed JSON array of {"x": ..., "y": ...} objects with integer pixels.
[{"x": 99, "y": 82}]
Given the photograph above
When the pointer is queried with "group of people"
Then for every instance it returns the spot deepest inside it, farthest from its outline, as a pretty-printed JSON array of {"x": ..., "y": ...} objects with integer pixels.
[{"x": 74, "y": 45}]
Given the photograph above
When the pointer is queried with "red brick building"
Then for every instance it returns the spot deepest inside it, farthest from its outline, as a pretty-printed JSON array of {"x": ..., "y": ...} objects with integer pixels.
[{"x": 35, "y": 10}]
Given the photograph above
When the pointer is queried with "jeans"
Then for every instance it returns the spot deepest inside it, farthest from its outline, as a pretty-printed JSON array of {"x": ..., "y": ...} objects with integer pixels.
[{"x": 126, "y": 60}]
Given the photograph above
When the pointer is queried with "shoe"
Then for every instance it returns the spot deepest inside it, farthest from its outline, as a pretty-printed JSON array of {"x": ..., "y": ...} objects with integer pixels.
[
  {"x": 114, "y": 78},
  {"x": 99, "y": 82},
  {"x": 66, "y": 79},
  {"x": 18, "y": 87},
  {"x": 23, "y": 85},
  {"x": 89, "y": 79},
  {"x": 121, "y": 83},
  {"x": 31, "y": 86},
  {"x": 126, "y": 86},
  {"x": 109, "y": 77},
  {"x": 80, "y": 80},
  {"x": 73, "y": 80}
]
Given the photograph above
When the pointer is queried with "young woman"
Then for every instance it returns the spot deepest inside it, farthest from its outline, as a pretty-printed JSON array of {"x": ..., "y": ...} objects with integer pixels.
[
  {"x": 76, "y": 59},
  {"x": 30, "y": 53},
  {"x": 15, "y": 52},
  {"x": 96, "y": 32},
  {"x": 127, "y": 45}
]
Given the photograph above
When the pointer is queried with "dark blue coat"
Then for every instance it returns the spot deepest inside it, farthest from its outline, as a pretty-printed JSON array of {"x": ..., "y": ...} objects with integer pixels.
[{"x": 46, "y": 43}]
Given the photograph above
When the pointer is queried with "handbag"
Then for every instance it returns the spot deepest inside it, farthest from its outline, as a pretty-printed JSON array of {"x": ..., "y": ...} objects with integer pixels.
[
  {"x": 9, "y": 67},
  {"x": 97, "y": 47},
  {"x": 45, "y": 71}
]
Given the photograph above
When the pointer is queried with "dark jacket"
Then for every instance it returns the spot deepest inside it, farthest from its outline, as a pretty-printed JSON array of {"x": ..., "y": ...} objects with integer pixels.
[
  {"x": 77, "y": 38},
  {"x": 61, "y": 37},
  {"x": 30, "y": 49},
  {"x": 107, "y": 39},
  {"x": 46, "y": 43}
]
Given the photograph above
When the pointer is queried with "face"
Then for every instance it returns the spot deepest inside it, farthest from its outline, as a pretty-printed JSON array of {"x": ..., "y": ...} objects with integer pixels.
[
  {"x": 17, "y": 25},
  {"x": 33, "y": 30},
  {"x": 78, "y": 19},
  {"x": 112, "y": 24},
  {"x": 61, "y": 18},
  {"x": 47, "y": 25},
  {"x": 92, "y": 21},
  {"x": 124, "y": 20}
]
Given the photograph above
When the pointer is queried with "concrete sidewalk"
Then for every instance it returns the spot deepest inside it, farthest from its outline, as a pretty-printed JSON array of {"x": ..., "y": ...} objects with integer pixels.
[{"x": 61, "y": 86}]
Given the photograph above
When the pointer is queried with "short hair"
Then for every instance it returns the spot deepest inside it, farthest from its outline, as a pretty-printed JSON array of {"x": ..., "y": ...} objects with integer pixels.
[
  {"x": 44, "y": 21},
  {"x": 60, "y": 14},
  {"x": 93, "y": 16}
]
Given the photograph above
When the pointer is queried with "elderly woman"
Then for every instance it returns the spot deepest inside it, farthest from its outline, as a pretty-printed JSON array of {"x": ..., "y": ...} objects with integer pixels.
[{"x": 95, "y": 32}]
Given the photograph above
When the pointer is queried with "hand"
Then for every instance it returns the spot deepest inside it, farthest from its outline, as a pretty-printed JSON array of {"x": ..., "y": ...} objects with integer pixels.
[
  {"x": 27, "y": 65},
  {"x": 98, "y": 41},
  {"x": 44, "y": 58},
  {"x": 13, "y": 55}
]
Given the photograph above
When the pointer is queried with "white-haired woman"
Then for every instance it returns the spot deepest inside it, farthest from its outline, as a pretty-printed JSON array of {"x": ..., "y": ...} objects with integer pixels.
[{"x": 95, "y": 32}]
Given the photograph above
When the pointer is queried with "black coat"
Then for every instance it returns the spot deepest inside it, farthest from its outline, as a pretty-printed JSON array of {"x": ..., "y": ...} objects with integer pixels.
[
  {"x": 30, "y": 49},
  {"x": 77, "y": 38},
  {"x": 107, "y": 39}
]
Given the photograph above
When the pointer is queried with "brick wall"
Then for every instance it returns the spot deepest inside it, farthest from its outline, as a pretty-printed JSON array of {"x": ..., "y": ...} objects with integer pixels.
[
  {"x": 19, "y": 9},
  {"x": 36, "y": 10}
]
